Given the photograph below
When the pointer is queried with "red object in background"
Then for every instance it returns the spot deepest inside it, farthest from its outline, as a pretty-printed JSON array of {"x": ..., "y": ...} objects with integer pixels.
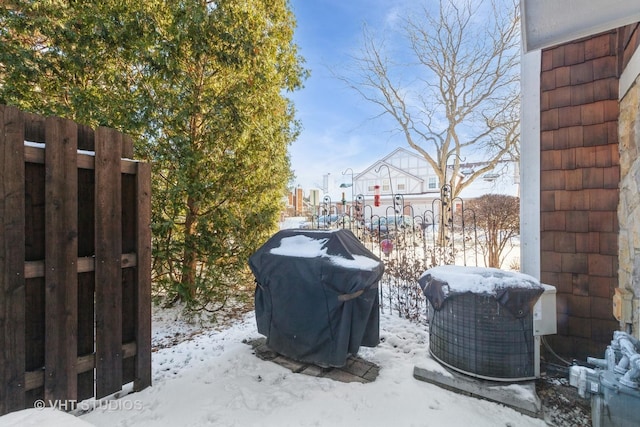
[
  {"x": 376, "y": 195},
  {"x": 386, "y": 246}
]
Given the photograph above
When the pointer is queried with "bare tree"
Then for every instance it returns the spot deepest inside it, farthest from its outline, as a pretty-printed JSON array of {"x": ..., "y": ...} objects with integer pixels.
[
  {"x": 498, "y": 220},
  {"x": 463, "y": 95}
]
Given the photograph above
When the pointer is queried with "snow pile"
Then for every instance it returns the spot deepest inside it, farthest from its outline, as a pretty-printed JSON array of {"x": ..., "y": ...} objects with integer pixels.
[
  {"x": 214, "y": 379},
  {"x": 478, "y": 280},
  {"x": 307, "y": 247}
]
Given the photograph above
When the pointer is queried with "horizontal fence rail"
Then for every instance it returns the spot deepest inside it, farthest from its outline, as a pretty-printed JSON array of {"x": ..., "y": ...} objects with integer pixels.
[{"x": 75, "y": 260}]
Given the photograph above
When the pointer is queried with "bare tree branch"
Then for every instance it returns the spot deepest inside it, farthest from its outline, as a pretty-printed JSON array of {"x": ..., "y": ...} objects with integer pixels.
[{"x": 462, "y": 98}]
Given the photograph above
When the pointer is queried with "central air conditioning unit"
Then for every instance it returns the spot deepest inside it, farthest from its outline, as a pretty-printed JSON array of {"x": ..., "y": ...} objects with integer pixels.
[{"x": 487, "y": 322}]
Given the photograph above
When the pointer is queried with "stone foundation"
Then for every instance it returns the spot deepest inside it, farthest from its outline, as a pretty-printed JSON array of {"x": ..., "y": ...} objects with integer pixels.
[{"x": 629, "y": 209}]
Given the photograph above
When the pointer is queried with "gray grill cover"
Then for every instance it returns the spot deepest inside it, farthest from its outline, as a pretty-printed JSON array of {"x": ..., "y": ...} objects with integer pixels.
[{"x": 319, "y": 302}]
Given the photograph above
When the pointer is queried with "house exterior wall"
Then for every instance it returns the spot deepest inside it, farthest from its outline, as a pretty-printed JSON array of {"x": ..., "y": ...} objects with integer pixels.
[
  {"x": 629, "y": 208},
  {"x": 579, "y": 177}
]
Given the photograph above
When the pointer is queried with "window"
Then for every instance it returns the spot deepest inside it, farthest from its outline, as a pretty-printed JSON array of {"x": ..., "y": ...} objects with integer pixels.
[
  {"x": 432, "y": 182},
  {"x": 401, "y": 187},
  {"x": 385, "y": 185}
]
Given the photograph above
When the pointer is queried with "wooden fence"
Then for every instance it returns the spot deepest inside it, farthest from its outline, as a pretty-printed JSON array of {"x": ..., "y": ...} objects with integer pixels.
[{"x": 75, "y": 259}]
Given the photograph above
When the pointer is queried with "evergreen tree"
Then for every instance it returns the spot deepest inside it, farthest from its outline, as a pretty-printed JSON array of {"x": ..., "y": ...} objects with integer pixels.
[{"x": 201, "y": 86}]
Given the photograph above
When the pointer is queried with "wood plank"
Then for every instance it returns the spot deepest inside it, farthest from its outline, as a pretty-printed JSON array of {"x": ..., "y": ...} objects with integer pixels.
[
  {"x": 34, "y": 127},
  {"x": 85, "y": 160},
  {"x": 108, "y": 245},
  {"x": 61, "y": 253},
  {"x": 127, "y": 147},
  {"x": 33, "y": 269},
  {"x": 128, "y": 319},
  {"x": 84, "y": 364},
  {"x": 86, "y": 277},
  {"x": 143, "y": 270},
  {"x": 86, "y": 329},
  {"x": 86, "y": 138},
  {"x": 12, "y": 256}
]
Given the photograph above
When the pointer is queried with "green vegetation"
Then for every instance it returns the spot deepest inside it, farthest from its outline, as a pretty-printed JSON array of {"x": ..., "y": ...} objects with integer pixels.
[{"x": 200, "y": 86}]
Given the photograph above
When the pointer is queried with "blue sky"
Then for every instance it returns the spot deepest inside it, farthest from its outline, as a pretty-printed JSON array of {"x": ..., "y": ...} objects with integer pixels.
[{"x": 339, "y": 131}]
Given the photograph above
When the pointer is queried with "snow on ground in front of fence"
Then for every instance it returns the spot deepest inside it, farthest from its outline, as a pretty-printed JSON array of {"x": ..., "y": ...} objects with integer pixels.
[{"x": 211, "y": 377}]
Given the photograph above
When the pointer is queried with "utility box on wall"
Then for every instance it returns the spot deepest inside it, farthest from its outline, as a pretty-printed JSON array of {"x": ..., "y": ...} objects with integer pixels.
[
  {"x": 544, "y": 312},
  {"x": 622, "y": 305}
]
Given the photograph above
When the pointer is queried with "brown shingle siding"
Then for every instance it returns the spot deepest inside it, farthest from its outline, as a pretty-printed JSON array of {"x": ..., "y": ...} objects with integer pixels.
[
  {"x": 579, "y": 186},
  {"x": 605, "y": 67},
  {"x": 580, "y": 327},
  {"x": 576, "y": 221},
  {"x": 550, "y": 160},
  {"x": 603, "y": 221},
  {"x": 563, "y": 76},
  {"x": 573, "y": 179},
  {"x": 549, "y": 119},
  {"x": 602, "y": 286},
  {"x": 593, "y": 177},
  {"x": 552, "y": 261},
  {"x": 571, "y": 201},
  {"x": 588, "y": 242},
  {"x": 558, "y": 56},
  {"x": 631, "y": 42},
  {"x": 573, "y": 53},
  {"x": 564, "y": 242},
  {"x": 609, "y": 241},
  {"x": 591, "y": 113},
  {"x": 547, "y": 60},
  {"x": 580, "y": 284},
  {"x": 607, "y": 155},
  {"x": 575, "y": 135},
  {"x": 579, "y": 306},
  {"x": 595, "y": 134},
  {"x": 583, "y": 94},
  {"x": 568, "y": 158},
  {"x": 568, "y": 116},
  {"x": 547, "y": 201},
  {"x": 585, "y": 157},
  {"x": 603, "y": 200},
  {"x": 553, "y": 221},
  {"x": 546, "y": 140},
  {"x": 601, "y": 308},
  {"x": 560, "y": 97},
  {"x": 605, "y": 89},
  {"x": 552, "y": 180},
  {"x": 601, "y": 45},
  {"x": 581, "y": 73},
  {"x": 611, "y": 110},
  {"x": 546, "y": 242},
  {"x": 548, "y": 81},
  {"x": 601, "y": 331},
  {"x": 601, "y": 265},
  {"x": 611, "y": 177}
]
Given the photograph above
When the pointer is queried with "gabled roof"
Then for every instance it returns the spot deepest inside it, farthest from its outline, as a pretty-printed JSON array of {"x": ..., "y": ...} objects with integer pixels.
[
  {"x": 405, "y": 152},
  {"x": 384, "y": 161}
]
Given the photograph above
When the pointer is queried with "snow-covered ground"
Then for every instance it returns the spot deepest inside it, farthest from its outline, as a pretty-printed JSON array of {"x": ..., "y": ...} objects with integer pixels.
[{"x": 212, "y": 378}]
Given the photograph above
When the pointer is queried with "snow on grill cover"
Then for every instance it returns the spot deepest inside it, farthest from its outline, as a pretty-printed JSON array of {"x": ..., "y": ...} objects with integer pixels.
[{"x": 316, "y": 297}]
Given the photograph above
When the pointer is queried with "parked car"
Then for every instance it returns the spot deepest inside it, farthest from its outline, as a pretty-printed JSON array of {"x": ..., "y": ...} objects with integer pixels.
[
  {"x": 326, "y": 221},
  {"x": 385, "y": 224}
]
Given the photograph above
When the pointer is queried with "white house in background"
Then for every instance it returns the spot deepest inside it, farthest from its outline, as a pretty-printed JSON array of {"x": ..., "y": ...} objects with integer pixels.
[{"x": 406, "y": 173}]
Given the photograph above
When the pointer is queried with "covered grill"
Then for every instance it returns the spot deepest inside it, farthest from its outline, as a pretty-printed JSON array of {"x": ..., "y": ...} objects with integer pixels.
[{"x": 316, "y": 297}]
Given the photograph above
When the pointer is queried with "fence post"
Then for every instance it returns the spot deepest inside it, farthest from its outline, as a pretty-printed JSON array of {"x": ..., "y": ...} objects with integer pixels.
[
  {"x": 143, "y": 291},
  {"x": 12, "y": 256},
  {"x": 61, "y": 255},
  {"x": 108, "y": 271}
]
